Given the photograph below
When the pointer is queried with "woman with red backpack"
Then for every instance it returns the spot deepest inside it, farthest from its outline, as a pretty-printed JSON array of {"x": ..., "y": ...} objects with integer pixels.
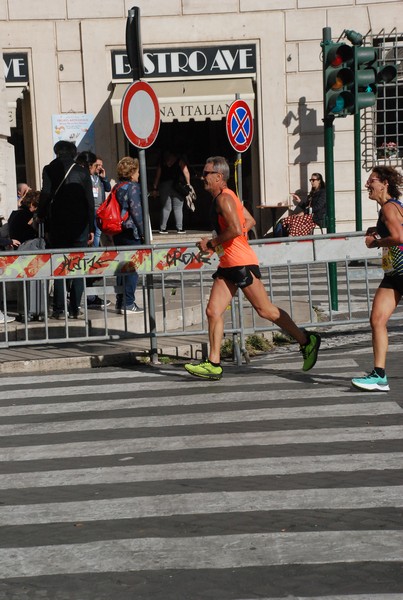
[{"x": 128, "y": 194}]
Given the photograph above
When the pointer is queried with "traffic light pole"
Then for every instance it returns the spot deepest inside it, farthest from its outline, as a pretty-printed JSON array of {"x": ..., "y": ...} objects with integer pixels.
[
  {"x": 329, "y": 174},
  {"x": 331, "y": 217},
  {"x": 357, "y": 172},
  {"x": 350, "y": 77}
]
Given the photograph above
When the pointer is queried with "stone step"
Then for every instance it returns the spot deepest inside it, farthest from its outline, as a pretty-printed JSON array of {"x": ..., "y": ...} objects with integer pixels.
[{"x": 172, "y": 237}]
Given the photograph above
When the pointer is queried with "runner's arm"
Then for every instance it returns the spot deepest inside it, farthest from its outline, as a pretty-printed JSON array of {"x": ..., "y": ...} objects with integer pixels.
[
  {"x": 249, "y": 220},
  {"x": 226, "y": 207}
]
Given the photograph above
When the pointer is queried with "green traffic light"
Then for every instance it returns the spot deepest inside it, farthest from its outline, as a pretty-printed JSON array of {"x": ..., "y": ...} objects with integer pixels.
[
  {"x": 338, "y": 78},
  {"x": 368, "y": 73}
]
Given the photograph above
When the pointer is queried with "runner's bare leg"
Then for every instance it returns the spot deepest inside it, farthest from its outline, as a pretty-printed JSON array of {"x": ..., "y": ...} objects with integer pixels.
[
  {"x": 258, "y": 297},
  {"x": 221, "y": 295}
]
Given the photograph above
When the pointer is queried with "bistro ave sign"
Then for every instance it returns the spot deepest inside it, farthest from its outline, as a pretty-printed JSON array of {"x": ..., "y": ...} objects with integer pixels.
[{"x": 189, "y": 62}]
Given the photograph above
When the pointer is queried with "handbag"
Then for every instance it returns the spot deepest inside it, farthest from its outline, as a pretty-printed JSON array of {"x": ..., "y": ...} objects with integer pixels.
[
  {"x": 182, "y": 188},
  {"x": 190, "y": 198}
]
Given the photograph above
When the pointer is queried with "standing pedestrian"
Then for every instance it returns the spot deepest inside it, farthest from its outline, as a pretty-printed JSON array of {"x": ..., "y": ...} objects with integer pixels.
[
  {"x": 100, "y": 187},
  {"x": 67, "y": 206},
  {"x": 238, "y": 268},
  {"x": 383, "y": 187},
  {"x": 89, "y": 160},
  {"x": 171, "y": 173},
  {"x": 128, "y": 194}
]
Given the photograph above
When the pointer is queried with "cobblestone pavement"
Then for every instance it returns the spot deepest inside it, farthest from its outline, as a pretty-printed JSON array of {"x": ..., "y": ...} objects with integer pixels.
[{"x": 144, "y": 483}]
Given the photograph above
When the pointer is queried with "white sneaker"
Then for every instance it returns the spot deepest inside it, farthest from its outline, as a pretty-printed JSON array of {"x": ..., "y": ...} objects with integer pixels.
[
  {"x": 6, "y": 318},
  {"x": 135, "y": 309}
]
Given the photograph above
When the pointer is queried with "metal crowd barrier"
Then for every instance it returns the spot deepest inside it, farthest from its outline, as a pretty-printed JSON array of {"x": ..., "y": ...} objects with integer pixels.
[{"x": 295, "y": 272}]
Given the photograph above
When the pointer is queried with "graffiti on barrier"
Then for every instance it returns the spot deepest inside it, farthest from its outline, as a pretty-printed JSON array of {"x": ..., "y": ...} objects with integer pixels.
[
  {"x": 177, "y": 257},
  {"x": 77, "y": 262},
  {"x": 105, "y": 262}
]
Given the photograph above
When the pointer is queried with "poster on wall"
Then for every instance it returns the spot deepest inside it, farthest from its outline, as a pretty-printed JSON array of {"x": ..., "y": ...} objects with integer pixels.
[{"x": 74, "y": 127}]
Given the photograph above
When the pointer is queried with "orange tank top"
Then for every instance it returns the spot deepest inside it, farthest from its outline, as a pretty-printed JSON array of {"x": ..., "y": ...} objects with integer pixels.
[{"x": 235, "y": 252}]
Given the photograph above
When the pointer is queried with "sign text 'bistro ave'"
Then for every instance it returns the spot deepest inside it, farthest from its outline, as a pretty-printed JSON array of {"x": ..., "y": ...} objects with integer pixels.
[{"x": 189, "y": 62}]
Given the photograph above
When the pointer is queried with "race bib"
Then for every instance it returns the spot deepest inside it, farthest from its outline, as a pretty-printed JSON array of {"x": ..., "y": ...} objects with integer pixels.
[
  {"x": 218, "y": 249},
  {"x": 387, "y": 264}
]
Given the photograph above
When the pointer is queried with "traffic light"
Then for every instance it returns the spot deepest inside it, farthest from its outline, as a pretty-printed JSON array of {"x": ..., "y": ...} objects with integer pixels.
[
  {"x": 338, "y": 79},
  {"x": 367, "y": 74}
]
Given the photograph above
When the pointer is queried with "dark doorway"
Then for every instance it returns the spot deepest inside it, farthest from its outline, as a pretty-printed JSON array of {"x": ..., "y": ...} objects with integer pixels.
[
  {"x": 196, "y": 141},
  {"x": 17, "y": 140}
]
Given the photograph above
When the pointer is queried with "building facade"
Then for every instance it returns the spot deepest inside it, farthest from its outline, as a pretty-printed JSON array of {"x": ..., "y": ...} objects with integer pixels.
[{"x": 66, "y": 71}]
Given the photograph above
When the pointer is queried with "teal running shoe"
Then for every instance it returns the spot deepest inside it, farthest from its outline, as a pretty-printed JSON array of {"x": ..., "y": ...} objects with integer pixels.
[
  {"x": 205, "y": 370},
  {"x": 372, "y": 382},
  {"x": 310, "y": 351}
]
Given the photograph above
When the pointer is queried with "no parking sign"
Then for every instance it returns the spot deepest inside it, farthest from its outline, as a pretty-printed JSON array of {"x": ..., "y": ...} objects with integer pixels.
[{"x": 239, "y": 125}]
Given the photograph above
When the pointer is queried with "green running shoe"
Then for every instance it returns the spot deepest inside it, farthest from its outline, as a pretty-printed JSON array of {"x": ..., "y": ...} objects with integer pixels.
[
  {"x": 310, "y": 351},
  {"x": 372, "y": 382},
  {"x": 204, "y": 369}
]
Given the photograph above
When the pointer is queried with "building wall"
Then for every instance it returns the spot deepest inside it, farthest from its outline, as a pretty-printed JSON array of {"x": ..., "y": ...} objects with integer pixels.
[
  {"x": 7, "y": 163},
  {"x": 69, "y": 44}
]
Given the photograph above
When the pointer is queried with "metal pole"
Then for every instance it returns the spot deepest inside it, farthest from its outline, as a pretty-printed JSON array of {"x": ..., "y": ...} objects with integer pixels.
[
  {"x": 135, "y": 55},
  {"x": 329, "y": 174},
  {"x": 357, "y": 172},
  {"x": 147, "y": 240},
  {"x": 239, "y": 175},
  {"x": 239, "y": 165}
]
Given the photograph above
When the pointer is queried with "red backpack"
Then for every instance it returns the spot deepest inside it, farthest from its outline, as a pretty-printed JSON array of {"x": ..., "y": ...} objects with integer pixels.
[{"x": 108, "y": 215}]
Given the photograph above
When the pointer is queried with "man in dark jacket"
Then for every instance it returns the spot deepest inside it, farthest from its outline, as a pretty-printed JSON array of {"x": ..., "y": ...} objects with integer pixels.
[{"x": 67, "y": 206}]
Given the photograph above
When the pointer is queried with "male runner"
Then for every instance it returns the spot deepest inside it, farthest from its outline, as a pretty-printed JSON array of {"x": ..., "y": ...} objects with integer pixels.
[{"x": 238, "y": 268}]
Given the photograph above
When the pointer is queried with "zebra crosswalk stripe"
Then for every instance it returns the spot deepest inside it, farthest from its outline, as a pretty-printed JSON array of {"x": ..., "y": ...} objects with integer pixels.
[{"x": 144, "y": 472}]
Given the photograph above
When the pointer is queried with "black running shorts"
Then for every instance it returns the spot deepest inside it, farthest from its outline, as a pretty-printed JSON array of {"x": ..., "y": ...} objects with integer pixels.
[
  {"x": 239, "y": 276},
  {"x": 393, "y": 282}
]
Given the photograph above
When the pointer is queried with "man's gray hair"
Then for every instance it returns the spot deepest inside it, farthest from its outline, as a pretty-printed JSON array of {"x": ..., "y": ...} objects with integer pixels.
[{"x": 221, "y": 165}]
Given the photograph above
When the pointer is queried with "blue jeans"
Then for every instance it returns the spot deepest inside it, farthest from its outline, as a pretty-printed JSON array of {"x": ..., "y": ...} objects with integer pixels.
[
  {"x": 128, "y": 282},
  {"x": 96, "y": 244},
  {"x": 97, "y": 236}
]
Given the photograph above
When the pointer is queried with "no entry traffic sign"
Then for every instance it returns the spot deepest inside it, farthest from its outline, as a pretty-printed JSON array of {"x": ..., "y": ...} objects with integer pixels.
[
  {"x": 140, "y": 114},
  {"x": 239, "y": 125}
]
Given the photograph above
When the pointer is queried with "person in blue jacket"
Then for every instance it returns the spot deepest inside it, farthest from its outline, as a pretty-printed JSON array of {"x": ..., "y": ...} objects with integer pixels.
[{"x": 128, "y": 194}]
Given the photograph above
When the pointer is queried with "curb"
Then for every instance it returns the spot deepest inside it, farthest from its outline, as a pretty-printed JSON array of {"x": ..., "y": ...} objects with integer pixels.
[{"x": 190, "y": 351}]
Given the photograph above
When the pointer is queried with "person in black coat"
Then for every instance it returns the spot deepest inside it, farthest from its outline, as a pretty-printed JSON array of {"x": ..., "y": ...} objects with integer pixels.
[
  {"x": 20, "y": 221},
  {"x": 66, "y": 206},
  {"x": 68, "y": 211}
]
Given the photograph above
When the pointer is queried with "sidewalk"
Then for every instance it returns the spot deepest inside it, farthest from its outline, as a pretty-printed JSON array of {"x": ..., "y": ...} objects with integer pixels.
[
  {"x": 94, "y": 354},
  {"x": 86, "y": 355},
  {"x": 72, "y": 355}
]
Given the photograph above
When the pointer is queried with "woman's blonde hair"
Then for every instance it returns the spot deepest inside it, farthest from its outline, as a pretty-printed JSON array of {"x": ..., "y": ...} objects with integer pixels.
[{"x": 126, "y": 167}]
